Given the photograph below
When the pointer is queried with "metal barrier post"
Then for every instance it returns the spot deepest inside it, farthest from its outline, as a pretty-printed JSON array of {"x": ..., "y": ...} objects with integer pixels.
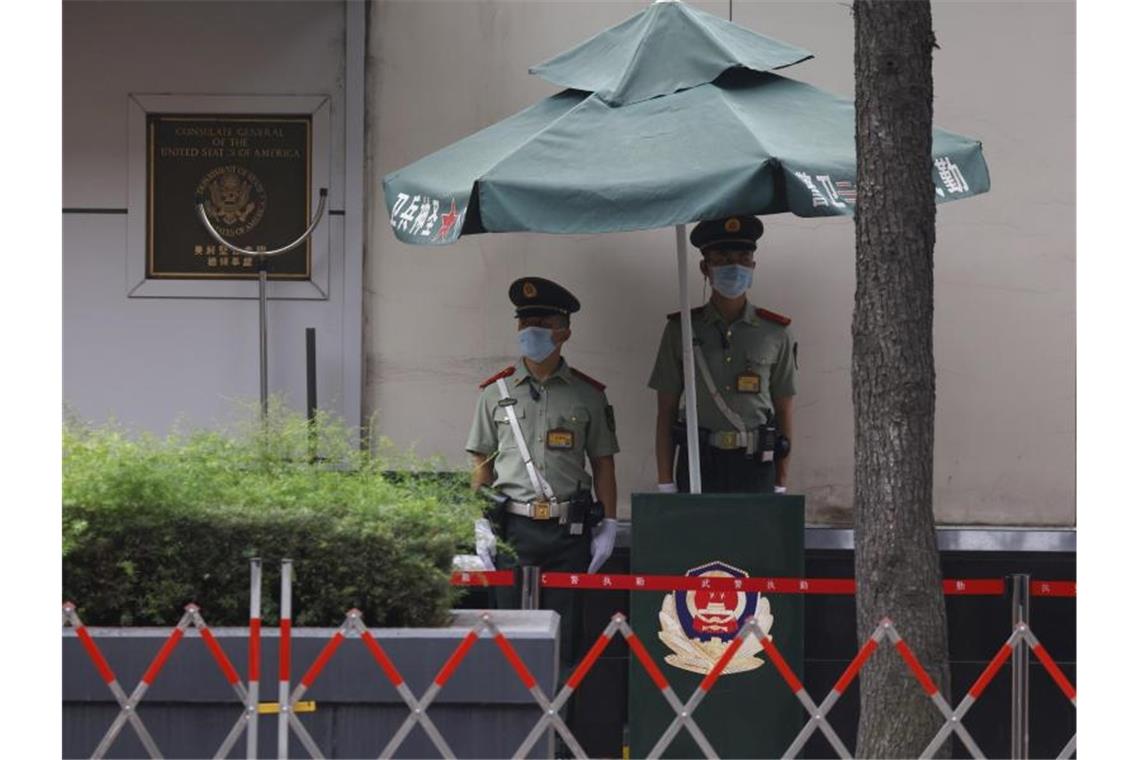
[
  {"x": 254, "y": 656},
  {"x": 531, "y": 587},
  {"x": 283, "y": 705},
  {"x": 1019, "y": 708}
]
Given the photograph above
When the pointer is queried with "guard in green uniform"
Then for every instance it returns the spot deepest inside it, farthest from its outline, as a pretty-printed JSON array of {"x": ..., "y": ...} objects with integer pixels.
[
  {"x": 536, "y": 424},
  {"x": 745, "y": 375}
]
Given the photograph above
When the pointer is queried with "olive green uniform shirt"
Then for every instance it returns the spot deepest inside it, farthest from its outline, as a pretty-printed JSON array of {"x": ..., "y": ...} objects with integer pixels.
[
  {"x": 570, "y": 408},
  {"x": 751, "y": 344}
]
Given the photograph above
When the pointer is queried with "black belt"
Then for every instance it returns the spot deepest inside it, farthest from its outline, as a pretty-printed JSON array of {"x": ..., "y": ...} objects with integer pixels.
[{"x": 765, "y": 441}]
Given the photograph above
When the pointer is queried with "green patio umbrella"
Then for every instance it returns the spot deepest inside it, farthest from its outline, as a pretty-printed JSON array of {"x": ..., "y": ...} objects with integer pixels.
[{"x": 671, "y": 117}]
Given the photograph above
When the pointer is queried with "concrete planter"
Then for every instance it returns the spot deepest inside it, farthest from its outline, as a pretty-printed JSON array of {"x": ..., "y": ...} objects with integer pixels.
[{"x": 484, "y": 711}]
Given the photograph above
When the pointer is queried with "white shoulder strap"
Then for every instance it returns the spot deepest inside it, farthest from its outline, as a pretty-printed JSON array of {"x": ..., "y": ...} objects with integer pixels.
[
  {"x": 536, "y": 480},
  {"x": 734, "y": 419}
]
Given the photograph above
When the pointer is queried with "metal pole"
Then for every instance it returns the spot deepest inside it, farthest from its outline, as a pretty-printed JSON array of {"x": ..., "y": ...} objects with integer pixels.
[
  {"x": 262, "y": 298},
  {"x": 311, "y": 373},
  {"x": 254, "y": 656},
  {"x": 689, "y": 365},
  {"x": 531, "y": 587},
  {"x": 1019, "y": 660},
  {"x": 263, "y": 257},
  {"x": 283, "y": 659},
  {"x": 311, "y": 389}
]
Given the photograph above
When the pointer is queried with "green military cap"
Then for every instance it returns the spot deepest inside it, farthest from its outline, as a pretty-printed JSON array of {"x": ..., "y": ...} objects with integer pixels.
[
  {"x": 733, "y": 232},
  {"x": 535, "y": 296}
]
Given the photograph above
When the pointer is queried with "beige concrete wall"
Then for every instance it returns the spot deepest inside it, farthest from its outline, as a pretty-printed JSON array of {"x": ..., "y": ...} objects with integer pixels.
[
  {"x": 438, "y": 320},
  {"x": 149, "y": 362}
]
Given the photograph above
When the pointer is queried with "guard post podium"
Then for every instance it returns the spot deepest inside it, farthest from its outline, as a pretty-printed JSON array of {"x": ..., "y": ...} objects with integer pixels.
[{"x": 749, "y": 712}]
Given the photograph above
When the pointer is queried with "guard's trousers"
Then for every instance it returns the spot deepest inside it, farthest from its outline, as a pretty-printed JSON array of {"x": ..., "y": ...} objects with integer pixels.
[
  {"x": 547, "y": 545},
  {"x": 728, "y": 471}
]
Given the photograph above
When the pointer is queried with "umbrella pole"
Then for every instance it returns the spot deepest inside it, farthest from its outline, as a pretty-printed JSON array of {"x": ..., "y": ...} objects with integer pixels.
[{"x": 689, "y": 365}]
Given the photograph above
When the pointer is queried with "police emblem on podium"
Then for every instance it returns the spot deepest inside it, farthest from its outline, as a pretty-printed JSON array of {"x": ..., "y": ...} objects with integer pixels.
[
  {"x": 698, "y": 625},
  {"x": 721, "y": 543}
]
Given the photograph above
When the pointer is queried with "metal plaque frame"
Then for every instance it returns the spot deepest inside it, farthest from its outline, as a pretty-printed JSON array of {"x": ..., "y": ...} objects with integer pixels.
[{"x": 139, "y": 106}]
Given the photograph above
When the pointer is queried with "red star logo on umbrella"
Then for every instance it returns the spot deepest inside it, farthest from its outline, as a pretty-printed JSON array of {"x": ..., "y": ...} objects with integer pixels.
[{"x": 447, "y": 221}]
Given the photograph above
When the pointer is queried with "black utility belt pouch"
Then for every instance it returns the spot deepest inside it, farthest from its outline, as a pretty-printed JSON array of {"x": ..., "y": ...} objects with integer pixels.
[
  {"x": 580, "y": 511},
  {"x": 772, "y": 445}
]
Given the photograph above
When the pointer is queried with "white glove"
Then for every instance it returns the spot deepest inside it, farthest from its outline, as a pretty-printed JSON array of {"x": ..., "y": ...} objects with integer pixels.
[
  {"x": 780, "y": 489},
  {"x": 602, "y": 544},
  {"x": 485, "y": 543},
  {"x": 667, "y": 487},
  {"x": 464, "y": 563}
]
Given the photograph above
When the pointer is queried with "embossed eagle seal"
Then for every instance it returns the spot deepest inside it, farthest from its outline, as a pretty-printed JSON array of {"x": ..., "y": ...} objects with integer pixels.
[{"x": 234, "y": 197}]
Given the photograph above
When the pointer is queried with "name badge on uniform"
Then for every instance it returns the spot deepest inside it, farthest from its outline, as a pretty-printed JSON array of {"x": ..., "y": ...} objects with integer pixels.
[
  {"x": 747, "y": 382},
  {"x": 560, "y": 439}
]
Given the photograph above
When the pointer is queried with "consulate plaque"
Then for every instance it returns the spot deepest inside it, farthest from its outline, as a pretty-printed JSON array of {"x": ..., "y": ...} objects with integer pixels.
[{"x": 253, "y": 175}]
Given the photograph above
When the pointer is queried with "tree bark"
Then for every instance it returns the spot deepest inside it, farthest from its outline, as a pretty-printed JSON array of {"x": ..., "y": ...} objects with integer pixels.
[{"x": 896, "y": 556}]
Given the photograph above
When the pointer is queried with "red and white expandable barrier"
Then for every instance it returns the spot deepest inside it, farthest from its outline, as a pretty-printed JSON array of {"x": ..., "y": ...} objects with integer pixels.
[
  {"x": 1021, "y": 636},
  {"x": 70, "y": 617},
  {"x": 1059, "y": 678},
  {"x": 684, "y": 713},
  {"x": 551, "y": 710},
  {"x": 817, "y": 719},
  {"x": 353, "y": 625},
  {"x": 417, "y": 709},
  {"x": 128, "y": 712}
]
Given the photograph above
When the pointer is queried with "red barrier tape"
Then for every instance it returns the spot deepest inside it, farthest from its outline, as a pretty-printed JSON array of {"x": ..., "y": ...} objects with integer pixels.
[
  {"x": 710, "y": 679},
  {"x": 219, "y": 656},
  {"x": 283, "y": 658},
  {"x": 322, "y": 659},
  {"x": 96, "y": 656},
  {"x": 974, "y": 587},
  {"x": 692, "y": 583},
  {"x": 1053, "y": 588},
  {"x": 483, "y": 578},
  {"x": 782, "y": 665},
  {"x": 515, "y": 661},
  {"x": 856, "y": 665},
  {"x": 1055, "y": 672},
  {"x": 381, "y": 658},
  {"x": 160, "y": 658},
  {"x": 916, "y": 668},
  {"x": 255, "y": 649},
  {"x": 456, "y": 657},
  {"x": 588, "y": 661},
  {"x": 840, "y": 586},
  {"x": 990, "y": 671}
]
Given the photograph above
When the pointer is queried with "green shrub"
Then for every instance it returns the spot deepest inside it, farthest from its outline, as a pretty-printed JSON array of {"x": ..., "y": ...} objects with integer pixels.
[{"x": 151, "y": 524}]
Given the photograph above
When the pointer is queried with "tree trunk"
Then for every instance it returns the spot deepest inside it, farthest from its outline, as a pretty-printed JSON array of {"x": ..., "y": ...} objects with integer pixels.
[{"x": 896, "y": 556}]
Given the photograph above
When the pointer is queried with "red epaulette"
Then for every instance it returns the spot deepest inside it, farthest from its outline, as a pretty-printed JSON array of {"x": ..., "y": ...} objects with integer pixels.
[
  {"x": 772, "y": 316},
  {"x": 588, "y": 379},
  {"x": 505, "y": 373},
  {"x": 696, "y": 312}
]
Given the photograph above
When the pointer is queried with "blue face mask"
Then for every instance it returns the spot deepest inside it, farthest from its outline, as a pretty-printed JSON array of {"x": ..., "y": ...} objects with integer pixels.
[
  {"x": 536, "y": 343},
  {"x": 731, "y": 280}
]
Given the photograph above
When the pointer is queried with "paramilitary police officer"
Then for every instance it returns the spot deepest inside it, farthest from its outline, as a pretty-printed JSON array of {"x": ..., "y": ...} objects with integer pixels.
[
  {"x": 536, "y": 423},
  {"x": 745, "y": 374}
]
